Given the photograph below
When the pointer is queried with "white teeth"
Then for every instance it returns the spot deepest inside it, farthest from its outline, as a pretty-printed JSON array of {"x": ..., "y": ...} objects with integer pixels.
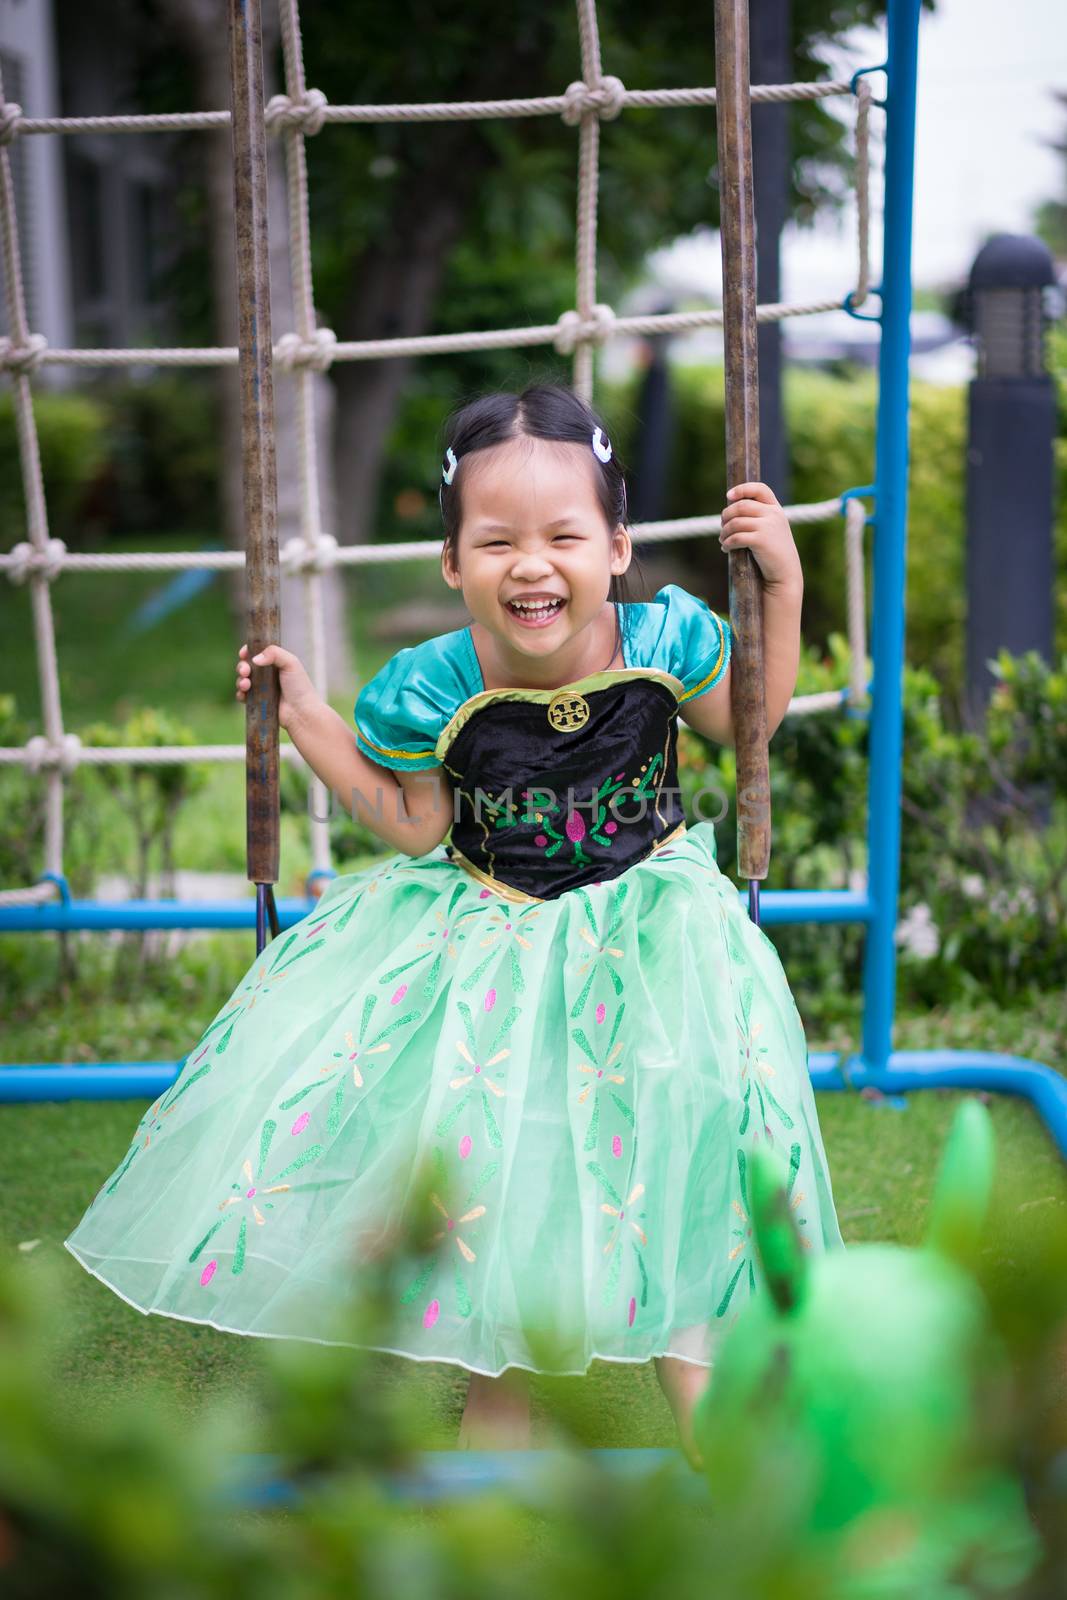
[{"x": 535, "y": 606}]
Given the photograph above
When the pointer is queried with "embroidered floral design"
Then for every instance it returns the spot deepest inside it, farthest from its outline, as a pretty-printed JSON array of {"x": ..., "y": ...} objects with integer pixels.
[
  {"x": 470, "y": 1213},
  {"x": 600, "y": 828},
  {"x": 604, "y": 951},
  {"x": 351, "y": 1057},
  {"x": 267, "y": 973},
  {"x": 253, "y": 1190},
  {"x": 152, "y": 1122},
  {"x": 480, "y": 1077},
  {"x": 744, "y": 1248},
  {"x": 443, "y": 939},
  {"x": 505, "y": 929},
  {"x": 754, "y": 1071},
  {"x": 599, "y": 1071},
  {"x": 619, "y": 1210},
  {"x": 452, "y": 1223}
]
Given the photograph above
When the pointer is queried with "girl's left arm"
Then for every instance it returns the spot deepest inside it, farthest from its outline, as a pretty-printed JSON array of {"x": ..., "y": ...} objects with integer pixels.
[{"x": 755, "y": 521}]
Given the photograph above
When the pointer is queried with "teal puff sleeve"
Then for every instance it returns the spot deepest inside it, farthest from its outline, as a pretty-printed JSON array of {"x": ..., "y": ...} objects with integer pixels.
[
  {"x": 402, "y": 710},
  {"x": 694, "y": 640}
]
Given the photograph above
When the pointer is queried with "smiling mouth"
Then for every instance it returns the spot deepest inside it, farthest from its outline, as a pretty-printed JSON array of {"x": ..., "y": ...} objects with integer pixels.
[{"x": 534, "y": 614}]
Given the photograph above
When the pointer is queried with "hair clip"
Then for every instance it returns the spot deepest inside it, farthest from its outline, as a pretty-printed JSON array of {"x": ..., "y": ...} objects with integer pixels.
[
  {"x": 450, "y": 457},
  {"x": 601, "y": 446}
]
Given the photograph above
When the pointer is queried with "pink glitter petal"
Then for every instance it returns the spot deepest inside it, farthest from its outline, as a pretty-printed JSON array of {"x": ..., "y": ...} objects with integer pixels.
[
  {"x": 431, "y": 1314},
  {"x": 301, "y": 1122},
  {"x": 575, "y": 827},
  {"x": 616, "y": 1146},
  {"x": 611, "y": 827},
  {"x": 490, "y": 999},
  {"x": 465, "y": 1147},
  {"x": 207, "y": 1274},
  {"x": 633, "y": 1312},
  {"x": 601, "y": 1011},
  {"x": 400, "y": 993},
  {"x": 540, "y": 841},
  {"x": 484, "y": 895}
]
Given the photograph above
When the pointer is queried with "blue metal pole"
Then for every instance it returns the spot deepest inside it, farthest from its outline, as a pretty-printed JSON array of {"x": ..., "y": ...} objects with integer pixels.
[
  {"x": 890, "y": 535},
  {"x": 780, "y": 906}
]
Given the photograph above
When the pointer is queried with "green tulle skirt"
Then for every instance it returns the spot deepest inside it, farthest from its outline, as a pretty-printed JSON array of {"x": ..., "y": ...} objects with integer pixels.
[{"x": 584, "y": 1079}]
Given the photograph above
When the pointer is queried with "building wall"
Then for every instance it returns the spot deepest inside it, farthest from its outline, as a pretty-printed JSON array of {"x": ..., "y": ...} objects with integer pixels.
[
  {"x": 28, "y": 65},
  {"x": 117, "y": 184}
]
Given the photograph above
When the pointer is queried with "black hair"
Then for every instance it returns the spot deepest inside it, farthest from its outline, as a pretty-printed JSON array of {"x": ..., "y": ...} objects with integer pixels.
[{"x": 548, "y": 411}]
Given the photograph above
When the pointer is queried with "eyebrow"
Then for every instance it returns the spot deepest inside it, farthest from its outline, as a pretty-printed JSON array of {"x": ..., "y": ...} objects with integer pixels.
[{"x": 501, "y": 527}]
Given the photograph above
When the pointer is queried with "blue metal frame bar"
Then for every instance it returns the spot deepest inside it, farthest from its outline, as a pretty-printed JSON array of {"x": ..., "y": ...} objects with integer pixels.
[
  {"x": 890, "y": 535},
  {"x": 445, "y": 1475},
  {"x": 79, "y": 916},
  {"x": 906, "y": 1069}
]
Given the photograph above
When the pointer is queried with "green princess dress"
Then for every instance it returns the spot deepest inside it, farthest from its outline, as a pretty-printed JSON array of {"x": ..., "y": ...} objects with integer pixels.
[{"x": 564, "y": 1014}]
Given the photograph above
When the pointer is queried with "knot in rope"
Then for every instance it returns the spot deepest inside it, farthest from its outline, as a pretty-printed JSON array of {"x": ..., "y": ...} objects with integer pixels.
[
  {"x": 299, "y": 556},
  {"x": 37, "y": 752},
  {"x": 25, "y": 559},
  {"x": 604, "y": 318},
  {"x": 605, "y": 98},
  {"x": 10, "y": 117},
  {"x": 568, "y": 330},
  {"x": 23, "y": 358},
  {"x": 66, "y": 754},
  {"x": 572, "y": 329},
  {"x": 70, "y": 753},
  {"x": 307, "y": 114},
  {"x": 317, "y": 352}
]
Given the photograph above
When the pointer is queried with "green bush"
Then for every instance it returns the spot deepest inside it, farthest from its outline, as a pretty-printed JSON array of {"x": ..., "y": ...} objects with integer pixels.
[
  {"x": 75, "y": 442},
  {"x": 986, "y": 835},
  {"x": 166, "y": 454},
  {"x": 118, "y": 459},
  {"x": 21, "y": 811},
  {"x": 149, "y": 795}
]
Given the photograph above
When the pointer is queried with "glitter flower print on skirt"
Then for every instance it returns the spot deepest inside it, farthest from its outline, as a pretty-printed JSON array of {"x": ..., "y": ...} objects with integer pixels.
[{"x": 584, "y": 1079}]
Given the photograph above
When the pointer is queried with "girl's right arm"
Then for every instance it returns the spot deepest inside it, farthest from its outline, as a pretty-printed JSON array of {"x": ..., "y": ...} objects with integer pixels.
[{"x": 413, "y": 816}]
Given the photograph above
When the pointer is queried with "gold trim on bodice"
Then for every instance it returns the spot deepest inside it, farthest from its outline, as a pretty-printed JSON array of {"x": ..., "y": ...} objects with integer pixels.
[
  {"x": 507, "y": 891},
  {"x": 565, "y": 691}
]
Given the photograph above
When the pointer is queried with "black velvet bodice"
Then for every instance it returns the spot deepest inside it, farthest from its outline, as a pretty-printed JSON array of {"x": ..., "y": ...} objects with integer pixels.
[{"x": 558, "y": 788}]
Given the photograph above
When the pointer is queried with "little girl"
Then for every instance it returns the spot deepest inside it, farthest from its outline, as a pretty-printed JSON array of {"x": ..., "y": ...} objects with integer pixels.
[{"x": 565, "y": 1010}]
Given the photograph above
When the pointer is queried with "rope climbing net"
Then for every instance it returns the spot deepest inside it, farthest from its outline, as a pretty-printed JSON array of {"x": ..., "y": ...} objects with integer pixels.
[{"x": 298, "y": 114}]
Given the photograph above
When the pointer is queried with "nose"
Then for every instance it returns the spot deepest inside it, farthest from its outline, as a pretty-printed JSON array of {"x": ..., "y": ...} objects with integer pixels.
[{"x": 530, "y": 564}]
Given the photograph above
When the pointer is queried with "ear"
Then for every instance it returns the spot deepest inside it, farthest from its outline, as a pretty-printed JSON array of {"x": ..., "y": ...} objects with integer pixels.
[
  {"x": 448, "y": 571},
  {"x": 621, "y": 551},
  {"x": 963, "y": 1187},
  {"x": 777, "y": 1235}
]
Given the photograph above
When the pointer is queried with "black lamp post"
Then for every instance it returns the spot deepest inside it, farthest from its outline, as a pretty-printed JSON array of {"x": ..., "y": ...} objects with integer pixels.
[{"x": 1012, "y": 425}]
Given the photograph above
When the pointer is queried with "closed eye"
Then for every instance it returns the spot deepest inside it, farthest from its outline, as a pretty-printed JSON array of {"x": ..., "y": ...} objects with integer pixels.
[{"x": 494, "y": 544}]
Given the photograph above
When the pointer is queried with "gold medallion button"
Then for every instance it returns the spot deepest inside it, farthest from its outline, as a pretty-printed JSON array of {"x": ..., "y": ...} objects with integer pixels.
[{"x": 568, "y": 711}]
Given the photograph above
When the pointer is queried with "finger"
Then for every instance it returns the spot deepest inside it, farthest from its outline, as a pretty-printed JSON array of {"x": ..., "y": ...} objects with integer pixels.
[
  {"x": 744, "y": 508},
  {"x": 243, "y": 650},
  {"x": 742, "y": 525},
  {"x": 752, "y": 491}
]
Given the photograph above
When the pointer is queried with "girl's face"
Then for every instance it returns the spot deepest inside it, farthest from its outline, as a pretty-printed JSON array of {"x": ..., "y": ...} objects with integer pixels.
[{"x": 533, "y": 530}]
